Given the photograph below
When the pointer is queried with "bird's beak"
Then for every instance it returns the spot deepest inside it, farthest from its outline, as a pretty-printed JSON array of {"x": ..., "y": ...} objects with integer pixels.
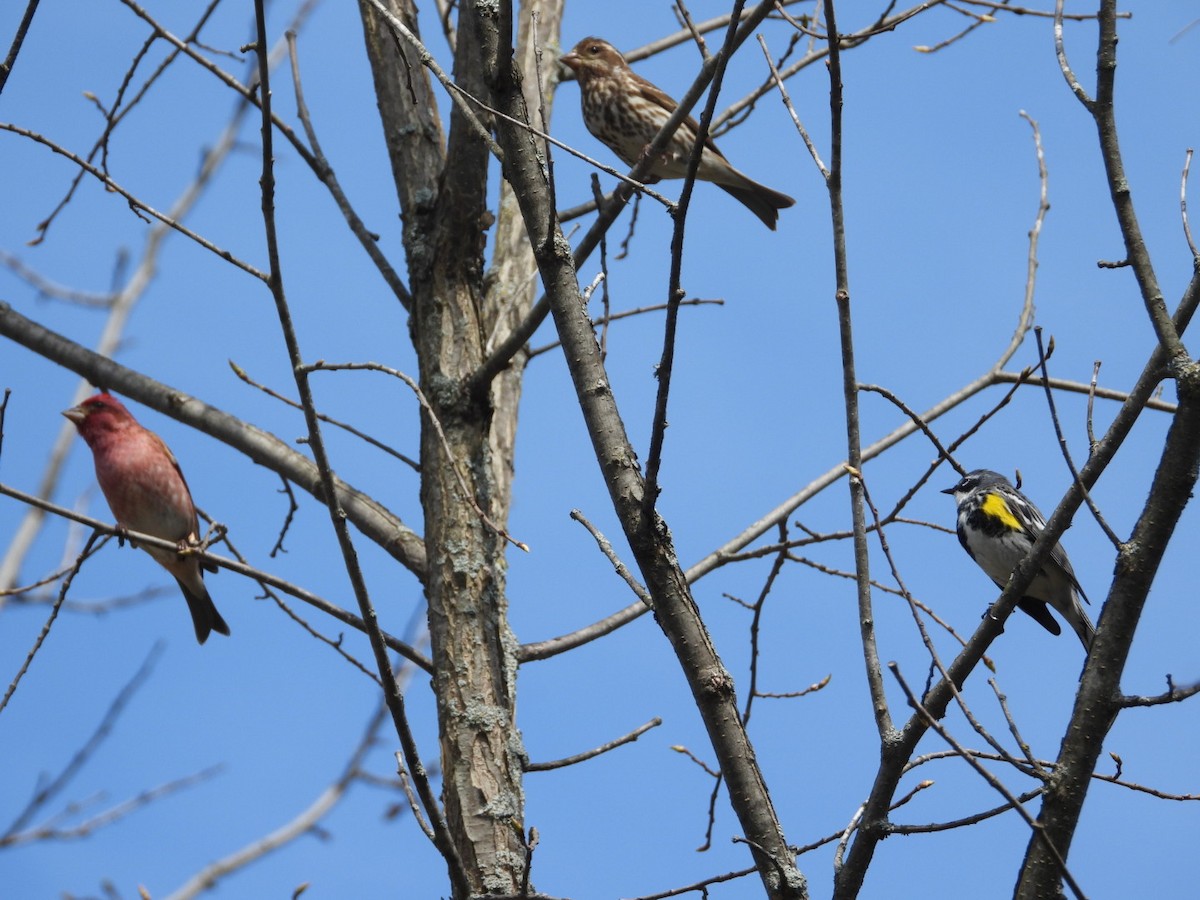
[
  {"x": 571, "y": 61},
  {"x": 75, "y": 414},
  {"x": 948, "y": 490}
]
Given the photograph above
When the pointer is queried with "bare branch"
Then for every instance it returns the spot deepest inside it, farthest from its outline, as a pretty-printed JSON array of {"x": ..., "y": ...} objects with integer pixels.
[
  {"x": 88, "y": 549},
  {"x": 991, "y": 779},
  {"x": 596, "y": 751},
  {"x": 1183, "y": 213},
  {"x": 135, "y": 204},
  {"x": 350, "y": 429},
  {"x": 264, "y": 578},
  {"x": 303, "y": 823},
  {"x": 46, "y": 792},
  {"x": 467, "y": 495},
  {"x": 1060, "y": 51},
  {"x": 606, "y": 548},
  {"x": 324, "y": 172},
  {"x": 10, "y": 60}
]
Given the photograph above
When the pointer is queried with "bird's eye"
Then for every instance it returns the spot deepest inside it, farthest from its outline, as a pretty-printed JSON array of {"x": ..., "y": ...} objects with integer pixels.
[{"x": 594, "y": 49}]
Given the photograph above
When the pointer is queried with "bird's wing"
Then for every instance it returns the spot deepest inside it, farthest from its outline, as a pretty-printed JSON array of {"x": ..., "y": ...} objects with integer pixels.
[
  {"x": 195, "y": 524},
  {"x": 661, "y": 98},
  {"x": 1034, "y": 523}
]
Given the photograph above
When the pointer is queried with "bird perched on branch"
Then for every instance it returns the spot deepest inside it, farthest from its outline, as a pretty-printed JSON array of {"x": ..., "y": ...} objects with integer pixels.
[
  {"x": 146, "y": 492},
  {"x": 625, "y": 111},
  {"x": 997, "y": 526}
]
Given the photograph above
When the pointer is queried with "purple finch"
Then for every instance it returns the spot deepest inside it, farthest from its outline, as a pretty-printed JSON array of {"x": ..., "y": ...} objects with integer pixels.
[
  {"x": 625, "y": 111},
  {"x": 146, "y": 492}
]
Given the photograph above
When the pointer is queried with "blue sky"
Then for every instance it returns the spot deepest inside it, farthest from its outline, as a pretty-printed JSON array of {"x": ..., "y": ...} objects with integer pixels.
[{"x": 941, "y": 190}]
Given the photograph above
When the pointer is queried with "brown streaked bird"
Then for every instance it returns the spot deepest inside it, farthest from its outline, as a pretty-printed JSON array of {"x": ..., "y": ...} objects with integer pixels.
[
  {"x": 625, "y": 111},
  {"x": 145, "y": 490}
]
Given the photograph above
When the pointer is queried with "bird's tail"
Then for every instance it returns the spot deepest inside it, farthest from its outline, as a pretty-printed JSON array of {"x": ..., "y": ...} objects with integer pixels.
[
  {"x": 1078, "y": 620},
  {"x": 205, "y": 618},
  {"x": 759, "y": 199}
]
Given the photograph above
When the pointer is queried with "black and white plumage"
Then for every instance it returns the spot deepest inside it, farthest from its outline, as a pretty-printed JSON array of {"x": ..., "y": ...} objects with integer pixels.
[{"x": 997, "y": 526}]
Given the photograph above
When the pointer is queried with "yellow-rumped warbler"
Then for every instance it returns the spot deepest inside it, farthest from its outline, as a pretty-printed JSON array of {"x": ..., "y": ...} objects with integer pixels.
[{"x": 997, "y": 525}]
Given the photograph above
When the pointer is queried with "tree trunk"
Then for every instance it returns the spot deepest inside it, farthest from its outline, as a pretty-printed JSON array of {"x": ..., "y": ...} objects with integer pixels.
[{"x": 457, "y": 315}]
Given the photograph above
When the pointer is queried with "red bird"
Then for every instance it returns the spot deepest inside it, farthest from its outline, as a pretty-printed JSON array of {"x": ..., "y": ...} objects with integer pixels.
[
  {"x": 625, "y": 111},
  {"x": 146, "y": 492}
]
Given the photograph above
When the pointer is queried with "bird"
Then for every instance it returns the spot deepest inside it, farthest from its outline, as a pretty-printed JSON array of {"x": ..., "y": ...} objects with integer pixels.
[
  {"x": 625, "y": 111},
  {"x": 997, "y": 526},
  {"x": 147, "y": 493}
]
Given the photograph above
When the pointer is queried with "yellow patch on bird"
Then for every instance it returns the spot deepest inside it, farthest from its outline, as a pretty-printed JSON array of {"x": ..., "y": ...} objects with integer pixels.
[{"x": 995, "y": 506}]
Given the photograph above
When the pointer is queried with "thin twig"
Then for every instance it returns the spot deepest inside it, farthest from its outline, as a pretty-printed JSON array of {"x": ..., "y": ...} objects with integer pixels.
[
  {"x": 45, "y": 632},
  {"x": 666, "y": 364},
  {"x": 1060, "y": 51},
  {"x": 606, "y": 548},
  {"x": 350, "y": 429},
  {"x": 115, "y": 813},
  {"x": 14, "y": 49},
  {"x": 468, "y": 495},
  {"x": 603, "y": 321},
  {"x": 135, "y": 204},
  {"x": 306, "y": 821},
  {"x": 787, "y": 103},
  {"x": 46, "y": 792},
  {"x": 1062, "y": 443},
  {"x": 1183, "y": 212},
  {"x": 324, "y": 172},
  {"x": 596, "y": 751},
  {"x": 1079, "y": 387},
  {"x": 992, "y": 780},
  {"x": 756, "y": 622}
]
